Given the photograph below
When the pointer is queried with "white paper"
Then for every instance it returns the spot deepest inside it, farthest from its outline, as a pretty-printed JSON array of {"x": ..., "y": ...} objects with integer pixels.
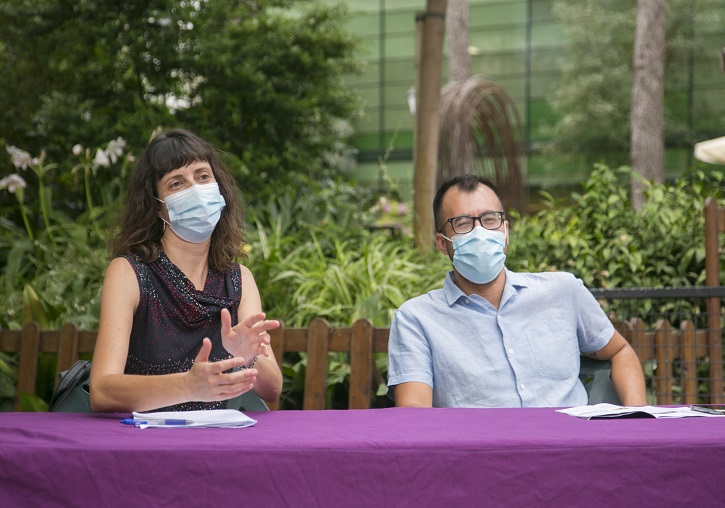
[
  {"x": 613, "y": 411},
  {"x": 228, "y": 418}
]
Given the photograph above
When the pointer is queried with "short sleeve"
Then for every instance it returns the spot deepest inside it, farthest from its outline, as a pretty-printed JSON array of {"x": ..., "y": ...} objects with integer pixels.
[
  {"x": 409, "y": 352},
  {"x": 594, "y": 329}
]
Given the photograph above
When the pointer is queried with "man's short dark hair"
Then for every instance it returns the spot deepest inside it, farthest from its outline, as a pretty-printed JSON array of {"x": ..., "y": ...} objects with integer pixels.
[{"x": 465, "y": 183}]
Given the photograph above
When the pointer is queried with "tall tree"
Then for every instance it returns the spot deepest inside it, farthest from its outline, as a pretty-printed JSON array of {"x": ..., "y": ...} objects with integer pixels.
[
  {"x": 262, "y": 79},
  {"x": 647, "y": 147},
  {"x": 459, "y": 62},
  {"x": 592, "y": 98},
  {"x": 427, "y": 121}
]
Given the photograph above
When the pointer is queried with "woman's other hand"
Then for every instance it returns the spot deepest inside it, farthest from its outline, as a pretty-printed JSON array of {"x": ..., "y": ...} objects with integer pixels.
[{"x": 249, "y": 338}]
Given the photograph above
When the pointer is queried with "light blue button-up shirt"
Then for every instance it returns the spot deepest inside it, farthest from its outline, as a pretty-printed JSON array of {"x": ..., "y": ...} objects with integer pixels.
[{"x": 525, "y": 354}]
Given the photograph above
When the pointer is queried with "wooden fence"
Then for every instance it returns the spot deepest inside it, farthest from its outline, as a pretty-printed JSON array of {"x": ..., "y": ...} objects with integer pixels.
[{"x": 676, "y": 353}]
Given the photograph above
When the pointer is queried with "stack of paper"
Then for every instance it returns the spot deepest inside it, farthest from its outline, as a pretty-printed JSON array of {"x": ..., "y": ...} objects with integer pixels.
[
  {"x": 188, "y": 419},
  {"x": 598, "y": 411}
]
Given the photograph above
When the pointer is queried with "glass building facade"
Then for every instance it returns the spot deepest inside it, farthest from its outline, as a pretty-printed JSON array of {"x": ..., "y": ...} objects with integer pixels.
[{"x": 519, "y": 44}]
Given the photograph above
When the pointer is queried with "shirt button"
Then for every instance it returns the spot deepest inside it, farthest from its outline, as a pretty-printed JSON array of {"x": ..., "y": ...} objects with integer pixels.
[
  {"x": 511, "y": 351},
  {"x": 467, "y": 302},
  {"x": 522, "y": 386}
]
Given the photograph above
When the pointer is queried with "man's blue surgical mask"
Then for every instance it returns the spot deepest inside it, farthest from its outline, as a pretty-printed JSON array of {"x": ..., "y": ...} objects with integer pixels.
[
  {"x": 479, "y": 255},
  {"x": 195, "y": 212}
]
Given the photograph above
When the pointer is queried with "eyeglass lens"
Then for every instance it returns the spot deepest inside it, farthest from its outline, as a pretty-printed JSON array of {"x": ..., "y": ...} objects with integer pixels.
[{"x": 465, "y": 223}]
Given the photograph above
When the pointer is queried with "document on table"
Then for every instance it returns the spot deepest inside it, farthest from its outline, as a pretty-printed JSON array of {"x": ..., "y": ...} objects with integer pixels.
[
  {"x": 602, "y": 411},
  {"x": 227, "y": 418}
]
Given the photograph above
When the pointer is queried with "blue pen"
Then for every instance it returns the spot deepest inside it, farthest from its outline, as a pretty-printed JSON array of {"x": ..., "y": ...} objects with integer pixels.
[{"x": 131, "y": 421}]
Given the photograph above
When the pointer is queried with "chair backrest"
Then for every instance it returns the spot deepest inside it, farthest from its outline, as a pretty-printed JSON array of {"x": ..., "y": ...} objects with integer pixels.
[
  {"x": 595, "y": 375},
  {"x": 248, "y": 401},
  {"x": 714, "y": 225}
]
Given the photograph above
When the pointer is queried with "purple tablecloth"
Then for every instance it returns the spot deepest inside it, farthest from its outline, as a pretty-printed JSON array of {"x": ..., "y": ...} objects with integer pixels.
[{"x": 372, "y": 458}]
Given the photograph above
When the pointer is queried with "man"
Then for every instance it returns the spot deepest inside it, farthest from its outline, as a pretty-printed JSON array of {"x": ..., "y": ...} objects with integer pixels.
[{"x": 495, "y": 338}]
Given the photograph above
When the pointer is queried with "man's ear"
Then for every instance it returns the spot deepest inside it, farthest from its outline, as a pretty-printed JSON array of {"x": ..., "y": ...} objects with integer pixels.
[
  {"x": 506, "y": 231},
  {"x": 441, "y": 243}
]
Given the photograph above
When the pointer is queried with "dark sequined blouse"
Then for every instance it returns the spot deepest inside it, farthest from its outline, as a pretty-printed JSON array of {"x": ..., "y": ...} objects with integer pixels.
[{"x": 173, "y": 318}]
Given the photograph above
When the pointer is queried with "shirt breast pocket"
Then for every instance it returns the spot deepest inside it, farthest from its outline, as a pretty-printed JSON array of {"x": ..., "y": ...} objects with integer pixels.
[{"x": 554, "y": 348}]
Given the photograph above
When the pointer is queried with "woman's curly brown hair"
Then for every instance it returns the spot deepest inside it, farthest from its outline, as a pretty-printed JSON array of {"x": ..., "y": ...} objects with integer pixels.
[{"x": 141, "y": 229}]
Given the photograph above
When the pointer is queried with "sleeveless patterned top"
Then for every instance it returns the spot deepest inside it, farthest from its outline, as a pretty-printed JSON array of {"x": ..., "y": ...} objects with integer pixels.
[{"x": 173, "y": 318}]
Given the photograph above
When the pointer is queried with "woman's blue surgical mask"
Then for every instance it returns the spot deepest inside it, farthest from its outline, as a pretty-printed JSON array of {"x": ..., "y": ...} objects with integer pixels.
[
  {"x": 195, "y": 212},
  {"x": 479, "y": 255}
]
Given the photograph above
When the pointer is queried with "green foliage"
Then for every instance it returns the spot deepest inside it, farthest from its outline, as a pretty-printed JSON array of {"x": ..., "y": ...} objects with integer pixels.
[
  {"x": 606, "y": 243},
  {"x": 53, "y": 264},
  {"x": 272, "y": 89},
  {"x": 32, "y": 403},
  {"x": 262, "y": 80},
  {"x": 84, "y": 71},
  {"x": 313, "y": 255},
  {"x": 366, "y": 279},
  {"x": 8, "y": 378}
]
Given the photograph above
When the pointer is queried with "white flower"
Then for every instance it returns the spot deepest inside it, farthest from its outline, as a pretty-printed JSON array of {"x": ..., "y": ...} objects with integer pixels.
[
  {"x": 101, "y": 159},
  {"x": 20, "y": 158},
  {"x": 115, "y": 149},
  {"x": 13, "y": 183},
  {"x": 77, "y": 149}
]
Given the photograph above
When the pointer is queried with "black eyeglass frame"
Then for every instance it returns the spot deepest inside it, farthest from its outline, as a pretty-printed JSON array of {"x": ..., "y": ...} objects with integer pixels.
[{"x": 501, "y": 216}]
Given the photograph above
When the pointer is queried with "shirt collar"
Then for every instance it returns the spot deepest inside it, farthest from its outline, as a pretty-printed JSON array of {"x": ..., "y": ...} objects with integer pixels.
[
  {"x": 453, "y": 293},
  {"x": 515, "y": 280}
]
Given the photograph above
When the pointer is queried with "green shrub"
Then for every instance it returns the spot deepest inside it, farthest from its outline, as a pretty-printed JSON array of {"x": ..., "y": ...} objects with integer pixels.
[{"x": 606, "y": 243}]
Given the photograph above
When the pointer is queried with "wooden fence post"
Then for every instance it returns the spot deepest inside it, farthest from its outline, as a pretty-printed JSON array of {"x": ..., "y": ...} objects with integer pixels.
[
  {"x": 28, "y": 363},
  {"x": 316, "y": 371},
  {"x": 687, "y": 358},
  {"x": 361, "y": 359}
]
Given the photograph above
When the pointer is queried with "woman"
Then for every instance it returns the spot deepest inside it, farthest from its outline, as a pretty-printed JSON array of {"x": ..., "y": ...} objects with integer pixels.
[{"x": 181, "y": 325}]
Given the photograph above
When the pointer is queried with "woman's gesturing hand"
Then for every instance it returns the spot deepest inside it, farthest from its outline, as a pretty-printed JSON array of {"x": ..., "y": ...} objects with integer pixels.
[
  {"x": 249, "y": 338},
  {"x": 207, "y": 382}
]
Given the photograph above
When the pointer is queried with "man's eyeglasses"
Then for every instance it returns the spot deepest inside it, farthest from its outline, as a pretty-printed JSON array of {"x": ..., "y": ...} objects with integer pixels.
[{"x": 465, "y": 223}]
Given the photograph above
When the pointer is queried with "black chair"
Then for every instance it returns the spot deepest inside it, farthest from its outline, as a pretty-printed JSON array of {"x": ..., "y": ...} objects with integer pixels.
[
  {"x": 595, "y": 375},
  {"x": 248, "y": 401}
]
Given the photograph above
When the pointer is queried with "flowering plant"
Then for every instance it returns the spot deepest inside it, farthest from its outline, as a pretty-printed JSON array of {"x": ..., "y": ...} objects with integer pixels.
[
  {"x": 392, "y": 215},
  {"x": 103, "y": 158},
  {"x": 59, "y": 250}
]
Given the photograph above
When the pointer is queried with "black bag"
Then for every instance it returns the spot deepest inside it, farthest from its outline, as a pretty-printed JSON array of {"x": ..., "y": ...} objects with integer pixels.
[{"x": 73, "y": 392}]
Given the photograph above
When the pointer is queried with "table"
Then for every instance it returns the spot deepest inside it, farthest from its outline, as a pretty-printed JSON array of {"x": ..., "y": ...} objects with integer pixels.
[{"x": 371, "y": 458}]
